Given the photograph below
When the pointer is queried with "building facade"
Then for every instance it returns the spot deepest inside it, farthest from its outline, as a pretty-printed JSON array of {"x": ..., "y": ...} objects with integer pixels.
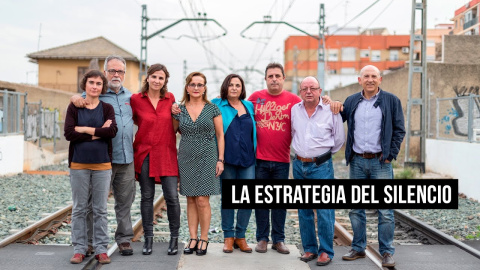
[
  {"x": 345, "y": 55},
  {"x": 466, "y": 19},
  {"x": 63, "y": 67}
]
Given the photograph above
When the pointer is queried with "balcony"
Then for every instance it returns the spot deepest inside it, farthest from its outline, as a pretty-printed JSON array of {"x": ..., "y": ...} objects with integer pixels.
[{"x": 470, "y": 23}]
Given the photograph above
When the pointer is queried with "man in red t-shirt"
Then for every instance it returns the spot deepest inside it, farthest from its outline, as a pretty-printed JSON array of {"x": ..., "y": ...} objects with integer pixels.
[{"x": 272, "y": 113}]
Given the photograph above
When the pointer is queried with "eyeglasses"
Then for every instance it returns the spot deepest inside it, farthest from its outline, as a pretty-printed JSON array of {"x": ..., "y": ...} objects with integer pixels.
[
  {"x": 198, "y": 85},
  {"x": 312, "y": 89},
  {"x": 113, "y": 71}
]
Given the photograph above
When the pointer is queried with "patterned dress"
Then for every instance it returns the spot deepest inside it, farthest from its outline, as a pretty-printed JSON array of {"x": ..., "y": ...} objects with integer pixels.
[{"x": 198, "y": 152}]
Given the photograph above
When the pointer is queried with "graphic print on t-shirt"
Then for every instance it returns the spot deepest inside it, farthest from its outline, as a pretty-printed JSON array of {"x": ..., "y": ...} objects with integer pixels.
[{"x": 272, "y": 116}]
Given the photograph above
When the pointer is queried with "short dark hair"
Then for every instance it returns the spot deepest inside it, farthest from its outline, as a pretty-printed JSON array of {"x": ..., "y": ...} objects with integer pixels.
[
  {"x": 226, "y": 83},
  {"x": 152, "y": 69},
  {"x": 94, "y": 74},
  {"x": 274, "y": 65}
]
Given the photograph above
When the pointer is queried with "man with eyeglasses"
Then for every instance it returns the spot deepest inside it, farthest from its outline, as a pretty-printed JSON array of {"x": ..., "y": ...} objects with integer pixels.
[
  {"x": 123, "y": 174},
  {"x": 375, "y": 133},
  {"x": 317, "y": 133},
  {"x": 272, "y": 115}
]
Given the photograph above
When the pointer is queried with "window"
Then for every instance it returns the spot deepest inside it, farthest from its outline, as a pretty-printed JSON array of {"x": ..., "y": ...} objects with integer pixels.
[
  {"x": 348, "y": 54},
  {"x": 333, "y": 55},
  {"x": 81, "y": 72},
  {"x": 430, "y": 43},
  {"x": 393, "y": 55},
  {"x": 375, "y": 56},
  {"x": 364, "y": 53},
  {"x": 350, "y": 70}
]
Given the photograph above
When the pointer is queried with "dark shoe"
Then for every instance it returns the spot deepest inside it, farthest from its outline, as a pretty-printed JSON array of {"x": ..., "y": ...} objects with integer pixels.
[
  {"x": 323, "y": 259},
  {"x": 308, "y": 256},
  {"x": 200, "y": 246},
  {"x": 261, "y": 246},
  {"x": 228, "y": 245},
  {"x": 353, "y": 255},
  {"x": 125, "y": 249},
  {"x": 190, "y": 250},
  {"x": 90, "y": 251},
  {"x": 242, "y": 244},
  {"x": 387, "y": 260},
  {"x": 147, "y": 247},
  {"x": 173, "y": 246},
  {"x": 103, "y": 258},
  {"x": 77, "y": 258},
  {"x": 280, "y": 248}
]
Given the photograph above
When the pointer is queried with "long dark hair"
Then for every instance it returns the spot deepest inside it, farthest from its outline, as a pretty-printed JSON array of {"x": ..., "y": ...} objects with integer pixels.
[
  {"x": 152, "y": 69},
  {"x": 226, "y": 83}
]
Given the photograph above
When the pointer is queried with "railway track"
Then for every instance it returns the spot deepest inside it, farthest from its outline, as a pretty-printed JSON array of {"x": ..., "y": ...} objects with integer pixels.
[
  {"x": 56, "y": 226},
  {"x": 408, "y": 231}
]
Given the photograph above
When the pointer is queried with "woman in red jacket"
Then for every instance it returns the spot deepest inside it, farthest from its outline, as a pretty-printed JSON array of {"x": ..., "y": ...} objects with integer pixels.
[{"x": 155, "y": 153}]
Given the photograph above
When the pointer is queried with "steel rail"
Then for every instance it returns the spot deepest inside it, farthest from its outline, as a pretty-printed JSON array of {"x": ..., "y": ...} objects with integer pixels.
[
  {"x": 346, "y": 238},
  {"x": 93, "y": 264},
  {"x": 433, "y": 233},
  {"x": 43, "y": 224}
]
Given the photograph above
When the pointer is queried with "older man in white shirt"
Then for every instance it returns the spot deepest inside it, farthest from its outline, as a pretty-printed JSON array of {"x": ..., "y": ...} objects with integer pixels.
[{"x": 317, "y": 133}]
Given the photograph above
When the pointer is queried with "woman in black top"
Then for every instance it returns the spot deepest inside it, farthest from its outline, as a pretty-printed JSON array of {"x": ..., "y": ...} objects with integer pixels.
[{"x": 90, "y": 131}]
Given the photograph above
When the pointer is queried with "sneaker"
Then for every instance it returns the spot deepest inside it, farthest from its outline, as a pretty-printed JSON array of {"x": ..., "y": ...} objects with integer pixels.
[
  {"x": 77, "y": 258},
  {"x": 103, "y": 258},
  {"x": 125, "y": 249}
]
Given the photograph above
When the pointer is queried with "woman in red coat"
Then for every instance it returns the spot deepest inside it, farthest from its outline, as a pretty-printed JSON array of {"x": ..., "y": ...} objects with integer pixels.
[{"x": 155, "y": 153}]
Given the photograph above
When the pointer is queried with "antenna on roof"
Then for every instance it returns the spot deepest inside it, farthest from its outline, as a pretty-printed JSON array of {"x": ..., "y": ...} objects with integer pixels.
[{"x": 39, "y": 36}]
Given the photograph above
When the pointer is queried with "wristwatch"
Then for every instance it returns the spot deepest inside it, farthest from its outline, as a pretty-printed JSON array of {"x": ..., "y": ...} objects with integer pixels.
[{"x": 221, "y": 160}]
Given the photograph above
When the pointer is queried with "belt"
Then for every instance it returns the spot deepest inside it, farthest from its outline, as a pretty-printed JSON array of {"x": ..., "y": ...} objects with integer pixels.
[
  {"x": 318, "y": 160},
  {"x": 369, "y": 155}
]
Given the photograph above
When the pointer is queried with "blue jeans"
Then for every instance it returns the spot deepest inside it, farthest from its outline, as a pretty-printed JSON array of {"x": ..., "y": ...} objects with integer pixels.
[
  {"x": 243, "y": 215},
  {"x": 147, "y": 189},
  {"x": 271, "y": 170},
  {"x": 325, "y": 217},
  {"x": 361, "y": 168},
  {"x": 84, "y": 182}
]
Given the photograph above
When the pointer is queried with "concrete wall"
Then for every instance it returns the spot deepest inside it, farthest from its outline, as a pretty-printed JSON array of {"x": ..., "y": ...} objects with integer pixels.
[
  {"x": 458, "y": 160},
  {"x": 51, "y": 98},
  {"x": 461, "y": 49},
  {"x": 63, "y": 74},
  {"x": 11, "y": 154},
  {"x": 36, "y": 157}
]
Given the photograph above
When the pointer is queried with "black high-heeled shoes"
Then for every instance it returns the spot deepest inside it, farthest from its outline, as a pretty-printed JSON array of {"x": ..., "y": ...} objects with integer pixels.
[
  {"x": 200, "y": 251},
  {"x": 189, "y": 250},
  {"x": 173, "y": 246},
  {"x": 147, "y": 247}
]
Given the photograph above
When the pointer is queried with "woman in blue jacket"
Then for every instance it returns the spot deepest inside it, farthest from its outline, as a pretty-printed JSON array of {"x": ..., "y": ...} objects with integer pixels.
[{"x": 240, "y": 146}]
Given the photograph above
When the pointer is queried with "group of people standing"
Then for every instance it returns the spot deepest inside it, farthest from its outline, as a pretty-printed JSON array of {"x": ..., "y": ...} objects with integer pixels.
[{"x": 229, "y": 138}]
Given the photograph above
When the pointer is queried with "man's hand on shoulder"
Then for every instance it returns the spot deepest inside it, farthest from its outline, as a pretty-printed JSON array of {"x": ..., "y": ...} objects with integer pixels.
[
  {"x": 336, "y": 107},
  {"x": 78, "y": 101}
]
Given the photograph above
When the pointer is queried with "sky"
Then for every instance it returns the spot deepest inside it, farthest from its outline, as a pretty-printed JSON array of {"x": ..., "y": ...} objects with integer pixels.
[{"x": 27, "y": 26}]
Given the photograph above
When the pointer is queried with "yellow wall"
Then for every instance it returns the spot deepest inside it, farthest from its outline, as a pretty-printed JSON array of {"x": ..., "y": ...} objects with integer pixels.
[{"x": 63, "y": 74}]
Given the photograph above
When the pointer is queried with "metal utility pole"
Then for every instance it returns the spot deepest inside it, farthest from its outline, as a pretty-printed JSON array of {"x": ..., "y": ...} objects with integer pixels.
[
  {"x": 320, "y": 38},
  {"x": 144, "y": 38},
  {"x": 419, "y": 68},
  {"x": 321, "y": 48},
  {"x": 295, "y": 73}
]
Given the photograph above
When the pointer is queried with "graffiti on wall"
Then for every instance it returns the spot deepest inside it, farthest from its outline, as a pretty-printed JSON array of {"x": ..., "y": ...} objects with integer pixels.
[
  {"x": 42, "y": 123},
  {"x": 456, "y": 119}
]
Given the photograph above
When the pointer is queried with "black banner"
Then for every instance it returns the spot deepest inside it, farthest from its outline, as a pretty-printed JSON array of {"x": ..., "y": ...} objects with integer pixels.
[{"x": 340, "y": 194}]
